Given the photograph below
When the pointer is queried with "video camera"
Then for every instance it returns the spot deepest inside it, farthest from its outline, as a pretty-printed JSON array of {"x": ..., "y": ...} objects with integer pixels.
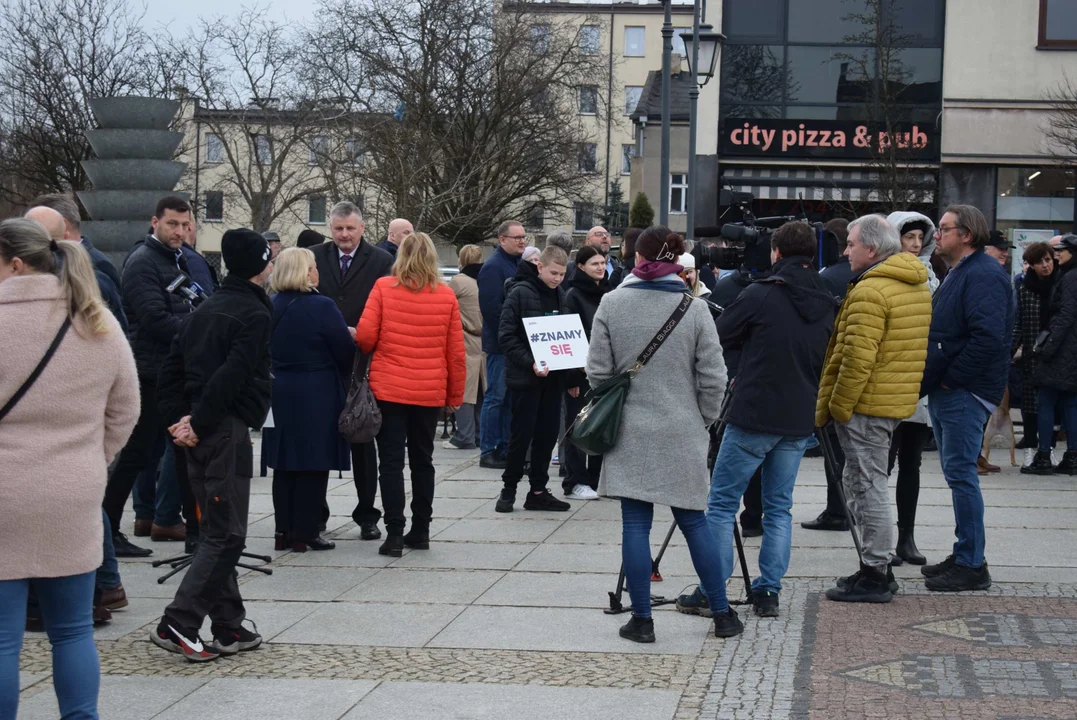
[{"x": 187, "y": 289}]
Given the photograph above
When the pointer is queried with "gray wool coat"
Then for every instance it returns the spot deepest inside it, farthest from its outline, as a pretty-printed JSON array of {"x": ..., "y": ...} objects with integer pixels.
[{"x": 661, "y": 454}]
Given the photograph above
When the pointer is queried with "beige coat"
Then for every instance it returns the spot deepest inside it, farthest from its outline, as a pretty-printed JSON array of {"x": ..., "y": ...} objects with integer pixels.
[
  {"x": 56, "y": 443},
  {"x": 467, "y": 295}
]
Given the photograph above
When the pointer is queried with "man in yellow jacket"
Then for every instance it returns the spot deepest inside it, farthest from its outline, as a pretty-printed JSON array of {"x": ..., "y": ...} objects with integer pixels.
[{"x": 870, "y": 383}]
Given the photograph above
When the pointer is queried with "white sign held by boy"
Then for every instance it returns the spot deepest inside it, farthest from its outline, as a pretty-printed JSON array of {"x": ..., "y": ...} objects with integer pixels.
[{"x": 557, "y": 341}]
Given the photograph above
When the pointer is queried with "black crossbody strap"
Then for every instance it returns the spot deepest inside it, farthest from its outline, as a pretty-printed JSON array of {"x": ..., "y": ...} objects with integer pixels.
[
  {"x": 662, "y": 334},
  {"x": 37, "y": 371}
]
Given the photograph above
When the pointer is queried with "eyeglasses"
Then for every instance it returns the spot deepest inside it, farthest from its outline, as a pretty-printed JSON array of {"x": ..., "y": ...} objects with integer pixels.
[
  {"x": 601, "y": 234},
  {"x": 515, "y": 237},
  {"x": 943, "y": 229}
]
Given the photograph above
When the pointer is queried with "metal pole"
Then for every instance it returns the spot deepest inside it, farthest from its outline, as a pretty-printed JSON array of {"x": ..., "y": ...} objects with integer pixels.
[
  {"x": 693, "y": 96},
  {"x": 667, "y": 61}
]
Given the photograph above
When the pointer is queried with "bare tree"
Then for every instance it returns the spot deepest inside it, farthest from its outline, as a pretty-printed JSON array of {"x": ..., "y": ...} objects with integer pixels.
[
  {"x": 466, "y": 109},
  {"x": 1061, "y": 126}
]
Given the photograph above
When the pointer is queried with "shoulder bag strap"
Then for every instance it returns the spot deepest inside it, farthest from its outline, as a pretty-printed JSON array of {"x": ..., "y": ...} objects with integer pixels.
[
  {"x": 276, "y": 320},
  {"x": 661, "y": 335},
  {"x": 37, "y": 371}
]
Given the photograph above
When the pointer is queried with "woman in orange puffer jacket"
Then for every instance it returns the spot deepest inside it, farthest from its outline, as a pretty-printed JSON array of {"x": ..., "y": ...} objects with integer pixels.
[{"x": 411, "y": 324}]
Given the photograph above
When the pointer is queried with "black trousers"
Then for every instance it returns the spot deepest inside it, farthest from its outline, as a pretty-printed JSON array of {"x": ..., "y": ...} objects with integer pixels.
[
  {"x": 414, "y": 426},
  {"x": 533, "y": 427},
  {"x": 833, "y": 481},
  {"x": 298, "y": 500},
  {"x": 365, "y": 476},
  {"x": 907, "y": 449},
  {"x": 219, "y": 468},
  {"x": 580, "y": 468},
  {"x": 136, "y": 453}
]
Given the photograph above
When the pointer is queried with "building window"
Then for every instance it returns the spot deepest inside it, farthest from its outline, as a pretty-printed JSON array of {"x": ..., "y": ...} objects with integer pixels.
[
  {"x": 678, "y": 193},
  {"x": 319, "y": 149},
  {"x": 628, "y": 151},
  {"x": 584, "y": 217},
  {"x": 632, "y": 95},
  {"x": 1035, "y": 198},
  {"x": 1058, "y": 24},
  {"x": 590, "y": 37},
  {"x": 263, "y": 149},
  {"x": 634, "y": 41},
  {"x": 316, "y": 210},
  {"x": 356, "y": 153},
  {"x": 536, "y": 218},
  {"x": 540, "y": 39},
  {"x": 589, "y": 100},
  {"x": 588, "y": 157},
  {"x": 213, "y": 206},
  {"x": 214, "y": 148}
]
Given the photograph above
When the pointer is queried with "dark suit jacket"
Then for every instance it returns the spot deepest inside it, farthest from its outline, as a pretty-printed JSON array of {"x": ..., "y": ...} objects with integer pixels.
[
  {"x": 101, "y": 263},
  {"x": 350, "y": 292}
]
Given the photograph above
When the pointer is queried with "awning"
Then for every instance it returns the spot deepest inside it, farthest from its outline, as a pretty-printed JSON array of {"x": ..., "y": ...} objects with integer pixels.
[{"x": 837, "y": 185}]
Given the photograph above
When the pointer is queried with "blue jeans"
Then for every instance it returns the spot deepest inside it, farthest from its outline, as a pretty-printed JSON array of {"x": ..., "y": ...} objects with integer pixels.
[
  {"x": 1047, "y": 399},
  {"x": 67, "y": 610},
  {"x": 108, "y": 575},
  {"x": 742, "y": 452},
  {"x": 495, "y": 415},
  {"x": 958, "y": 421},
  {"x": 636, "y": 517},
  {"x": 156, "y": 494}
]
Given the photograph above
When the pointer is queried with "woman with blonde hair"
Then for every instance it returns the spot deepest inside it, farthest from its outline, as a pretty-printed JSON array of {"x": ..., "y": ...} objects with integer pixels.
[
  {"x": 68, "y": 402},
  {"x": 465, "y": 285},
  {"x": 411, "y": 324},
  {"x": 312, "y": 351}
]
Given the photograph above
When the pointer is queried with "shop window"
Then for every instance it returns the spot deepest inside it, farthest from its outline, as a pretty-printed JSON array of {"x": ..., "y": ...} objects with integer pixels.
[
  {"x": 678, "y": 193},
  {"x": 634, "y": 41},
  {"x": 1058, "y": 24},
  {"x": 1034, "y": 197}
]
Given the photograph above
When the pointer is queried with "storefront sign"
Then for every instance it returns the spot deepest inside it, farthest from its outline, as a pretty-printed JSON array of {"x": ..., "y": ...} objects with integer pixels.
[
  {"x": 834, "y": 139},
  {"x": 557, "y": 341}
]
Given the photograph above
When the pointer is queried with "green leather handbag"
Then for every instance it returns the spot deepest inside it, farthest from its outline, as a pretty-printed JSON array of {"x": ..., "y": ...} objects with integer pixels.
[{"x": 598, "y": 424}]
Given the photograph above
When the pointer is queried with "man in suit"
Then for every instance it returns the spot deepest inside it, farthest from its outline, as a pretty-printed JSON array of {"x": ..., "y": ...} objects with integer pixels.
[
  {"x": 398, "y": 230},
  {"x": 347, "y": 270}
]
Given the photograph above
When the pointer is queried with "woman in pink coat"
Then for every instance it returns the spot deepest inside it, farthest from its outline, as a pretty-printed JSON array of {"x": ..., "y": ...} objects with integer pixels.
[{"x": 56, "y": 440}]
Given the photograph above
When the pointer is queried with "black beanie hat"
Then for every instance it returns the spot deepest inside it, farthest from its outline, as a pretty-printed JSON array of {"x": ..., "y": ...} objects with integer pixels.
[
  {"x": 309, "y": 238},
  {"x": 920, "y": 225},
  {"x": 245, "y": 252}
]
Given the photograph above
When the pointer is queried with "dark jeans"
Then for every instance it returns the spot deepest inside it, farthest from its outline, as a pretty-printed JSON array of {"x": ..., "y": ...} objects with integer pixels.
[
  {"x": 415, "y": 426},
  {"x": 220, "y": 467},
  {"x": 494, "y": 427},
  {"x": 907, "y": 449},
  {"x": 833, "y": 479},
  {"x": 298, "y": 499},
  {"x": 157, "y": 489},
  {"x": 636, "y": 518},
  {"x": 365, "y": 477},
  {"x": 580, "y": 468},
  {"x": 137, "y": 454},
  {"x": 108, "y": 575},
  {"x": 1048, "y": 399},
  {"x": 534, "y": 426}
]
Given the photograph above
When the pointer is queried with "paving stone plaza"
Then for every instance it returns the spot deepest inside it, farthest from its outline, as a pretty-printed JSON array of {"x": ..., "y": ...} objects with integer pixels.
[{"x": 502, "y": 618}]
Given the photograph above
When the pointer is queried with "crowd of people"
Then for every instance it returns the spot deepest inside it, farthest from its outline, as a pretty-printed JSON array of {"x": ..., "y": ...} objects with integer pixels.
[{"x": 909, "y": 338}]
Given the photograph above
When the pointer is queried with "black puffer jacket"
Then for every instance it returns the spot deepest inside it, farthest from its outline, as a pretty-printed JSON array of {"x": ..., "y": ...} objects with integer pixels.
[
  {"x": 153, "y": 314},
  {"x": 530, "y": 297},
  {"x": 782, "y": 326},
  {"x": 1056, "y": 364},
  {"x": 219, "y": 363},
  {"x": 582, "y": 298}
]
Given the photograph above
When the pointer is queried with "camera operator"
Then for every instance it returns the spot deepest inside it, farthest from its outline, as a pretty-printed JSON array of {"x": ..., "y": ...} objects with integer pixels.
[
  {"x": 214, "y": 385},
  {"x": 780, "y": 326},
  {"x": 154, "y": 316}
]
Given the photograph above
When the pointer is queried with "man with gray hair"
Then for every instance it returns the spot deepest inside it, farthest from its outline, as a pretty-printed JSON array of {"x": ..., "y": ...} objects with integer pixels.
[
  {"x": 870, "y": 383},
  {"x": 348, "y": 267}
]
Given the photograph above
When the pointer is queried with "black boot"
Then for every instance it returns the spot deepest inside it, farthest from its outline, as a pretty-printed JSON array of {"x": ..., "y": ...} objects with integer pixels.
[
  {"x": 639, "y": 630},
  {"x": 867, "y": 585},
  {"x": 393, "y": 546},
  {"x": 418, "y": 538},
  {"x": 1068, "y": 466},
  {"x": 906, "y": 548},
  {"x": 1040, "y": 465}
]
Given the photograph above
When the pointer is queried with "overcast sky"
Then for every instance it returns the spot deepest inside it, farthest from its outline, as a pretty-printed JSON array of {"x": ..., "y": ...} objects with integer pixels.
[{"x": 182, "y": 14}]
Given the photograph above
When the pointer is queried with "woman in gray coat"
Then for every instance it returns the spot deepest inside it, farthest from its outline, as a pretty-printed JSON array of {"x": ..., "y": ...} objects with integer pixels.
[{"x": 661, "y": 454}]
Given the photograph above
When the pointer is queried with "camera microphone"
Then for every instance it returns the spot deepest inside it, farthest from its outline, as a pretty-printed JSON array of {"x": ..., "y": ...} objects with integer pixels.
[{"x": 186, "y": 289}]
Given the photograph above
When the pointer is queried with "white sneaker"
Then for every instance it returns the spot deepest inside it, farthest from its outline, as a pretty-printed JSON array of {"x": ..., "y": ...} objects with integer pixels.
[
  {"x": 582, "y": 492},
  {"x": 448, "y": 445},
  {"x": 1030, "y": 454},
  {"x": 1054, "y": 457}
]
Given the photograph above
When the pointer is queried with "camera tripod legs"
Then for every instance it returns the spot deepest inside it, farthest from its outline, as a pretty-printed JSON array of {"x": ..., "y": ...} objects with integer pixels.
[{"x": 828, "y": 457}]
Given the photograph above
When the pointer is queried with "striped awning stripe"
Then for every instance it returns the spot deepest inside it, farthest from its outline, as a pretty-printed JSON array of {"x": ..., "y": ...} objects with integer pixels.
[{"x": 836, "y": 185}]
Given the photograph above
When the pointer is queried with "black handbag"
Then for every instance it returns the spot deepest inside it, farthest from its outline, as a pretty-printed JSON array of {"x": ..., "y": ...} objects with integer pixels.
[
  {"x": 598, "y": 424},
  {"x": 360, "y": 420},
  {"x": 10, "y": 404}
]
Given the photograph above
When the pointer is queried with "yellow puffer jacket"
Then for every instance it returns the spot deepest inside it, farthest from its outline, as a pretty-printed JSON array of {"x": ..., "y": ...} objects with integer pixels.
[{"x": 877, "y": 353}]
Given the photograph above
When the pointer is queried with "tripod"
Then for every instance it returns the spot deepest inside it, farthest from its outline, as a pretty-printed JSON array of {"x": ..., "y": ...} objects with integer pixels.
[
  {"x": 179, "y": 562},
  {"x": 828, "y": 457}
]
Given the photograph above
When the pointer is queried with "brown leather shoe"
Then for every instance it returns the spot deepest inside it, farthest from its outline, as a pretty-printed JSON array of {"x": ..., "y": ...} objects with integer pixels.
[
  {"x": 172, "y": 532},
  {"x": 143, "y": 528},
  {"x": 983, "y": 467},
  {"x": 113, "y": 599},
  {"x": 101, "y": 616}
]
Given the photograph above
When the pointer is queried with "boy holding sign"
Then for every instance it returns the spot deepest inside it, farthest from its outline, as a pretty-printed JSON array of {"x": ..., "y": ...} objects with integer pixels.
[{"x": 535, "y": 391}]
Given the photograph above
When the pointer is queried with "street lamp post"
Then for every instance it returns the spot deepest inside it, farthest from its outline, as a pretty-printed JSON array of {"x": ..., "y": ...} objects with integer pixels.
[
  {"x": 706, "y": 46},
  {"x": 667, "y": 61}
]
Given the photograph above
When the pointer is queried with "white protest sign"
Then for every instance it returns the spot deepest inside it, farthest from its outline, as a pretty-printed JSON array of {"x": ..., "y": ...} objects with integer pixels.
[{"x": 557, "y": 340}]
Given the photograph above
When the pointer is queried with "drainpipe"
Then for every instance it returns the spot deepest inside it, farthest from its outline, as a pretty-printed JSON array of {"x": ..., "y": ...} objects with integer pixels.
[{"x": 609, "y": 118}]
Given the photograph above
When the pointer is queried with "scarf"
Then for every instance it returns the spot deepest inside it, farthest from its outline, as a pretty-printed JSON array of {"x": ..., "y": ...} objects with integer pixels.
[{"x": 653, "y": 269}]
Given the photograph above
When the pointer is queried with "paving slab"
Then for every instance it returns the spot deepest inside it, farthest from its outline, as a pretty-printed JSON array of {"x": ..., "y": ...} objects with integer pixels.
[
  {"x": 121, "y": 698},
  {"x": 271, "y": 618},
  {"x": 569, "y": 590},
  {"x": 508, "y": 530},
  {"x": 473, "y": 556},
  {"x": 423, "y": 586},
  {"x": 378, "y": 624},
  {"x": 256, "y": 699},
  {"x": 304, "y": 583}
]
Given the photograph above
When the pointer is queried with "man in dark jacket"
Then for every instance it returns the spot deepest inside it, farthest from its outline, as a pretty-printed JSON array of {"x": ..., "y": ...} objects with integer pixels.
[
  {"x": 499, "y": 267},
  {"x": 154, "y": 315},
  {"x": 968, "y": 363},
  {"x": 201, "y": 271},
  {"x": 214, "y": 386},
  {"x": 1056, "y": 366},
  {"x": 398, "y": 230},
  {"x": 348, "y": 267},
  {"x": 536, "y": 392},
  {"x": 781, "y": 325}
]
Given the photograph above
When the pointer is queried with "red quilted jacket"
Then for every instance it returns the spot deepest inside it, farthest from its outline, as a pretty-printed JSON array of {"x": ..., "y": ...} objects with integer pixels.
[{"x": 418, "y": 344}]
